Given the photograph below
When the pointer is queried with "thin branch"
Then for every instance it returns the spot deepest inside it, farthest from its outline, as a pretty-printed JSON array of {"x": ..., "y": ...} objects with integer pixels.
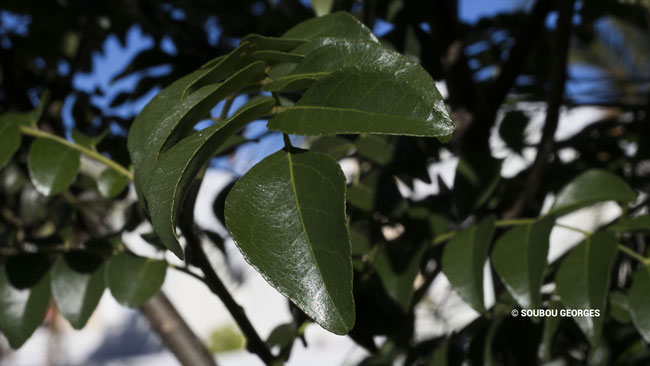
[
  {"x": 254, "y": 343},
  {"x": 31, "y": 131},
  {"x": 556, "y": 96},
  {"x": 645, "y": 261},
  {"x": 174, "y": 331}
]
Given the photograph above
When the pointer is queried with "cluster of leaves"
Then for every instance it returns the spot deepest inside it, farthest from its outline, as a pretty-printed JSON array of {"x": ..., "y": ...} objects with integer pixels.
[{"x": 359, "y": 258}]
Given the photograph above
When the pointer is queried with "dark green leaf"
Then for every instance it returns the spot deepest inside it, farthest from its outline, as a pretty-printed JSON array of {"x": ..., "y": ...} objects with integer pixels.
[
  {"x": 265, "y": 43},
  {"x": 88, "y": 141},
  {"x": 519, "y": 257},
  {"x": 133, "y": 280},
  {"x": 551, "y": 325},
  {"x": 476, "y": 178},
  {"x": 619, "y": 306},
  {"x": 388, "y": 106},
  {"x": 52, "y": 166},
  {"x": 583, "y": 279},
  {"x": 376, "y": 148},
  {"x": 287, "y": 216},
  {"x": 283, "y": 337},
  {"x": 22, "y": 310},
  {"x": 276, "y": 56},
  {"x": 399, "y": 283},
  {"x": 336, "y": 25},
  {"x": 26, "y": 270},
  {"x": 639, "y": 298},
  {"x": 169, "y": 116},
  {"x": 177, "y": 167},
  {"x": 591, "y": 187},
  {"x": 334, "y": 146},
  {"x": 111, "y": 183},
  {"x": 77, "y": 289},
  {"x": 463, "y": 260},
  {"x": 639, "y": 223},
  {"x": 9, "y": 141}
]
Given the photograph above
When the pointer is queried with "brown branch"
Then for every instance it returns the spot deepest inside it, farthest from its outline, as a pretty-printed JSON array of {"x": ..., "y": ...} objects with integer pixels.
[
  {"x": 556, "y": 95},
  {"x": 254, "y": 343},
  {"x": 175, "y": 333}
]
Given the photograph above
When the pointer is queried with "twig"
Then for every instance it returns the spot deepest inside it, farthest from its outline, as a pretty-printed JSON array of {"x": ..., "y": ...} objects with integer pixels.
[
  {"x": 174, "y": 331},
  {"x": 556, "y": 95},
  {"x": 31, "y": 131}
]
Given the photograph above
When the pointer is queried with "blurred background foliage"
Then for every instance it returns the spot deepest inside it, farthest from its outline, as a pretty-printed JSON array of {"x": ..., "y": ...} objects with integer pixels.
[{"x": 103, "y": 61}]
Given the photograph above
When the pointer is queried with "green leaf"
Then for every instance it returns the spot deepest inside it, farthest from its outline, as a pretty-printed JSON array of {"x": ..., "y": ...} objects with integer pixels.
[
  {"x": 276, "y": 56},
  {"x": 387, "y": 105},
  {"x": 583, "y": 279},
  {"x": 376, "y": 148},
  {"x": 322, "y": 7},
  {"x": 399, "y": 282},
  {"x": 133, "y": 280},
  {"x": 334, "y": 146},
  {"x": 22, "y": 310},
  {"x": 591, "y": 187},
  {"x": 9, "y": 141},
  {"x": 336, "y": 25},
  {"x": 178, "y": 166},
  {"x": 264, "y": 43},
  {"x": 463, "y": 260},
  {"x": 639, "y": 223},
  {"x": 519, "y": 257},
  {"x": 283, "y": 337},
  {"x": 619, "y": 307},
  {"x": 77, "y": 286},
  {"x": 52, "y": 166},
  {"x": 111, "y": 183},
  {"x": 287, "y": 216},
  {"x": 170, "y": 116},
  {"x": 88, "y": 141},
  {"x": 639, "y": 298},
  {"x": 477, "y": 176}
]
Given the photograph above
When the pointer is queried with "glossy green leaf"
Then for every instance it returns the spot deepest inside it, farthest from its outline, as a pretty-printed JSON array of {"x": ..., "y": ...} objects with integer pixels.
[
  {"x": 519, "y": 257},
  {"x": 355, "y": 100},
  {"x": 477, "y": 176},
  {"x": 638, "y": 300},
  {"x": 177, "y": 167},
  {"x": 77, "y": 286},
  {"x": 170, "y": 116},
  {"x": 276, "y": 56},
  {"x": 639, "y": 223},
  {"x": 583, "y": 279},
  {"x": 322, "y": 7},
  {"x": 336, "y": 25},
  {"x": 463, "y": 260},
  {"x": 326, "y": 55},
  {"x": 133, "y": 280},
  {"x": 398, "y": 282},
  {"x": 591, "y": 187},
  {"x": 111, "y": 183},
  {"x": 9, "y": 141},
  {"x": 52, "y": 166},
  {"x": 22, "y": 310},
  {"x": 287, "y": 216}
]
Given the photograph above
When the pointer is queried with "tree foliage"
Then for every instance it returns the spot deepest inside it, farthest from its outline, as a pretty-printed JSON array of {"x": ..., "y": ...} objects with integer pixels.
[{"x": 355, "y": 256}]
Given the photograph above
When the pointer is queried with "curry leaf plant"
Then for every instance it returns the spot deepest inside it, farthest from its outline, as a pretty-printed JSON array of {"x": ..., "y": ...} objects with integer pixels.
[{"x": 287, "y": 214}]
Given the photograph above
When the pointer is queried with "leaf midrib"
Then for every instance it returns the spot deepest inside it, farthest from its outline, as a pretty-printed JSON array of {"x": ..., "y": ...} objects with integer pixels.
[{"x": 304, "y": 229}]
